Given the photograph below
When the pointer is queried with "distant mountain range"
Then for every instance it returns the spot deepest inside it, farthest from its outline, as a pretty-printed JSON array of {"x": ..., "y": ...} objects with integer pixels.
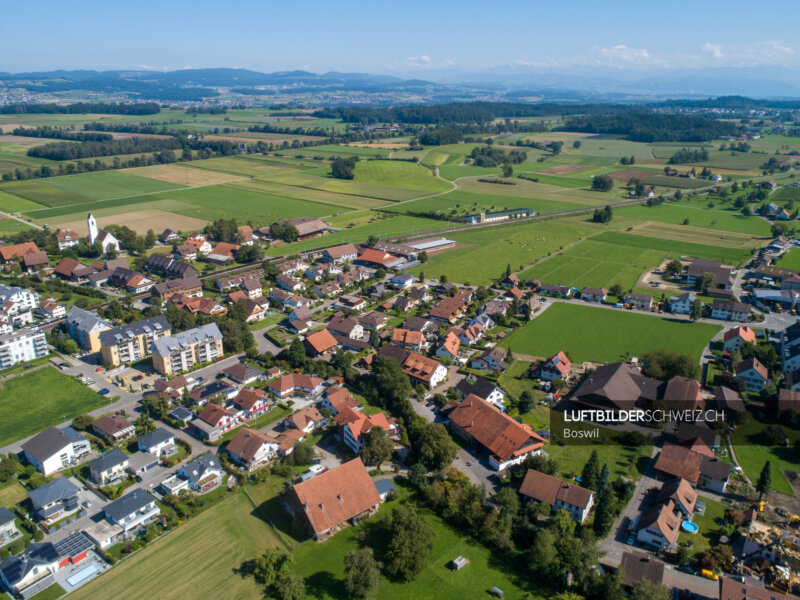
[{"x": 574, "y": 84}]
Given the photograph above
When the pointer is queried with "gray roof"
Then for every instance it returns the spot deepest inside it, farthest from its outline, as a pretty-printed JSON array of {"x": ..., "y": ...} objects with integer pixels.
[
  {"x": 112, "y": 337},
  {"x": 84, "y": 320},
  {"x": 128, "y": 504},
  {"x": 6, "y": 516},
  {"x": 110, "y": 459},
  {"x": 181, "y": 413},
  {"x": 199, "y": 467},
  {"x": 15, "y": 568},
  {"x": 166, "y": 345},
  {"x": 51, "y": 441},
  {"x": 385, "y": 486},
  {"x": 159, "y": 436},
  {"x": 58, "y": 489},
  {"x": 481, "y": 388}
]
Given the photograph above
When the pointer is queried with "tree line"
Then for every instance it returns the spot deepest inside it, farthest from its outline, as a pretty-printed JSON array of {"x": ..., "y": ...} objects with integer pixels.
[
  {"x": 61, "y": 133},
  {"x": 688, "y": 156},
  {"x": 487, "y": 156},
  {"x": 653, "y": 127},
  {"x": 80, "y": 108}
]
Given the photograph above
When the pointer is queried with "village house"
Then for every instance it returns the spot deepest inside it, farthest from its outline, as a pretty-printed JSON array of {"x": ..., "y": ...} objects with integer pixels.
[
  {"x": 157, "y": 442},
  {"x": 133, "y": 510},
  {"x": 722, "y": 276},
  {"x": 336, "y": 398},
  {"x": 327, "y": 289},
  {"x": 735, "y": 338},
  {"x": 373, "y": 321},
  {"x": 590, "y": 294},
  {"x": 490, "y": 360},
  {"x": 409, "y": 340},
  {"x": 420, "y": 369},
  {"x": 223, "y": 252},
  {"x": 218, "y": 388},
  {"x": 67, "y": 238},
  {"x": 332, "y": 500},
  {"x": 109, "y": 467},
  {"x": 251, "y": 403},
  {"x": 54, "y": 449},
  {"x": 320, "y": 343},
  {"x": 449, "y": 346},
  {"x": 682, "y": 305},
  {"x": 698, "y": 468},
  {"x": 203, "y": 474},
  {"x": 191, "y": 287},
  {"x": 289, "y": 283},
  {"x": 340, "y": 254},
  {"x": 555, "y": 367},
  {"x": 306, "y": 420},
  {"x": 113, "y": 427},
  {"x": 241, "y": 373},
  {"x": 348, "y": 326},
  {"x": 753, "y": 373},
  {"x": 640, "y": 301},
  {"x": 507, "y": 441},
  {"x": 483, "y": 389},
  {"x": 682, "y": 495},
  {"x": 213, "y": 421},
  {"x": 354, "y": 425},
  {"x": 251, "y": 449},
  {"x": 730, "y": 310},
  {"x": 50, "y": 309},
  {"x": 295, "y": 383},
  {"x": 559, "y": 291},
  {"x": 576, "y": 500},
  {"x": 659, "y": 526},
  {"x": 54, "y": 500}
]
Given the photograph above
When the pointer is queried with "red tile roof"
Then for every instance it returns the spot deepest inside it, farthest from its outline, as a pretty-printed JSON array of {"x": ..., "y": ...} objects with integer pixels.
[{"x": 322, "y": 341}]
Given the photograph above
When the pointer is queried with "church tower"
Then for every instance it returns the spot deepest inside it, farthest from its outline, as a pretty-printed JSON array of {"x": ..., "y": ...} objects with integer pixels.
[{"x": 91, "y": 225}]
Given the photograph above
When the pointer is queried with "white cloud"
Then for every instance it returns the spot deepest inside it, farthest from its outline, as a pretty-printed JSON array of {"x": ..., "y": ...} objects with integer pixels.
[
  {"x": 620, "y": 55},
  {"x": 423, "y": 62},
  {"x": 713, "y": 50}
]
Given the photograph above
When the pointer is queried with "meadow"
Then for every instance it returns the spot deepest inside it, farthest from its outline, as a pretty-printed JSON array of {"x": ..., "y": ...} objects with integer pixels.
[
  {"x": 595, "y": 264},
  {"x": 674, "y": 247},
  {"x": 698, "y": 216},
  {"x": 790, "y": 260},
  {"x": 752, "y": 452},
  {"x": 31, "y": 402},
  {"x": 605, "y": 335}
]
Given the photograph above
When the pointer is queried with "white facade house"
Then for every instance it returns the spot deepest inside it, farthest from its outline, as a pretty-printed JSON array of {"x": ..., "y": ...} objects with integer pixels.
[
  {"x": 54, "y": 449},
  {"x": 100, "y": 235},
  {"x": 682, "y": 305},
  {"x": 22, "y": 345},
  {"x": 132, "y": 510}
]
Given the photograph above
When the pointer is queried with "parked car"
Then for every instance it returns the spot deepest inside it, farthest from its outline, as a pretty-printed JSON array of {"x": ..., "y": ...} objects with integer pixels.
[
  {"x": 104, "y": 392},
  {"x": 100, "y": 369},
  {"x": 630, "y": 540}
]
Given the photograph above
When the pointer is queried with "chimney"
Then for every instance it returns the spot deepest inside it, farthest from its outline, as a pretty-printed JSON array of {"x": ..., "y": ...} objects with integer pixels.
[{"x": 340, "y": 498}]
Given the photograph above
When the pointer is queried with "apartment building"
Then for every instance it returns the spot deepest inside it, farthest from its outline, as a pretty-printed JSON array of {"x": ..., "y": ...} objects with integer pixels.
[
  {"x": 132, "y": 342},
  {"x": 181, "y": 352},
  {"x": 22, "y": 345}
]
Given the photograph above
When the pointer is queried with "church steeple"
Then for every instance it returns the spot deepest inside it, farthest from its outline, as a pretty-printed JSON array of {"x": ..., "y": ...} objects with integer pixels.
[{"x": 91, "y": 225}]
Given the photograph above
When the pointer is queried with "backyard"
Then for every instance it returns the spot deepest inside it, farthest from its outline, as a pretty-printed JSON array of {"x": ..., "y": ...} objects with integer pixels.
[{"x": 752, "y": 452}]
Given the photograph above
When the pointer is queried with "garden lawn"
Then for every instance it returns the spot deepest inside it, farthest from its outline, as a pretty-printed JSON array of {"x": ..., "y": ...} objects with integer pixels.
[
  {"x": 198, "y": 560},
  {"x": 752, "y": 453},
  {"x": 623, "y": 461},
  {"x": 605, "y": 335},
  {"x": 790, "y": 260},
  {"x": 709, "y": 533},
  {"x": 29, "y": 403},
  {"x": 12, "y": 493}
]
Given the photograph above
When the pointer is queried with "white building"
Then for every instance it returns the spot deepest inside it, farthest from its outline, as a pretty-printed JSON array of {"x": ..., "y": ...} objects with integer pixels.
[
  {"x": 101, "y": 235},
  {"x": 22, "y": 345},
  {"x": 55, "y": 449}
]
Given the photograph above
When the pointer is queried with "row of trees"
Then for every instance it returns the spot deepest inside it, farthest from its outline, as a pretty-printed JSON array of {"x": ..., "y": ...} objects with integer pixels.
[
  {"x": 688, "y": 156},
  {"x": 653, "y": 127},
  {"x": 487, "y": 156}
]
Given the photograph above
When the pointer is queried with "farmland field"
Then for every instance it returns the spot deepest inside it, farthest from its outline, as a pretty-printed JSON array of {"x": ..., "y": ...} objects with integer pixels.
[
  {"x": 790, "y": 260},
  {"x": 15, "y": 204},
  {"x": 184, "y": 176},
  {"x": 698, "y": 216},
  {"x": 140, "y": 221},
  {"x": 31, "y": 402},
  {"x": 605, "y": 335},
  {"x": 595, "y": 264},
  {"x": 211, "y": 545}
]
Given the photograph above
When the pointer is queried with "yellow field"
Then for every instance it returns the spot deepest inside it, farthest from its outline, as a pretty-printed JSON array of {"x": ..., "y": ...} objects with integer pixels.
[
  {"x": 195, "y": 561},
  {"x": 174, "y": 173},
  {"x": 697, "y": 235},
  {"x": 142, "y": 220}
]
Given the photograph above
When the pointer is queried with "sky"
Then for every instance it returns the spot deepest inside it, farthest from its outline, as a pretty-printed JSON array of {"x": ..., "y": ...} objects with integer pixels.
[{"x": 410, "y": 38}]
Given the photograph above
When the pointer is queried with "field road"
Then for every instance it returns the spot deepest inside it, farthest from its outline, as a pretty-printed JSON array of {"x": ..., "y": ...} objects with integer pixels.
[{"x": 21, "y": 220}]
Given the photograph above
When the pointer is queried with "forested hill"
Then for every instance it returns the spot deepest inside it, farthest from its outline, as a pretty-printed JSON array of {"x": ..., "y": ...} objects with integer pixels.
[{"x": 653, "y": 127}]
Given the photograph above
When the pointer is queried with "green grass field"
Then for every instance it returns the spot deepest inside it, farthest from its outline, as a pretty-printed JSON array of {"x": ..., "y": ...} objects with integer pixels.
[
  {"x": 16, "y": 204},
  {"x": 36, "y": 400},
  {"x": 12, "y": 226},
  {"x": 196, "y": 561},
  {"x": 605, "y": 335},
  {"x": 699, "y": 216},
  {"x": 752, "y": 453},
  {"x": 790, "y": 260},
  {"x": 595, "y": 264},
  {"x": 674, "y": 248},
  {"x": 623, "y": 461}
]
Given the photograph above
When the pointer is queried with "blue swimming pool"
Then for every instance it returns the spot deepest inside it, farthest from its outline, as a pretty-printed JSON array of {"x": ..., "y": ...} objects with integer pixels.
[{"x": 689, "y": 527}]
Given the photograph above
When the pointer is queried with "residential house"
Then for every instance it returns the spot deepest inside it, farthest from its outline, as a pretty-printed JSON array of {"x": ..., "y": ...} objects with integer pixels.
[
  {"x": 50, "y": 309},
  {"x": 251, "y": 403},
  {"x": 484, "y": 320},
  {"x": 373, "y": 321},
  {"x": 734, "y": 339},
  {"x": 292, "y": 266},
  {"x": 730, "y": 310},
  {"x": 54, "y": 449},
  {"x": 327, "y": 289},
  {"x": 218, "y": 388},
  {"x": 301, "y": 313},
  {"x": 576, "y": 500},
  {"x": 246, "y": 233},
  {"x": 555, "y": 367},
  {"x": 449, "y": 346},
  {"x": 733, "y": 588},
  {"x": 306, "y": 420},
  {"x": 699, "y": 469},
  {"x": 17, "y": 251},
  {"x": 336, "y": 398},
  {"x": 640, "y": 301},
  {"x": 722, "y": 276},
  {"x": 348, "y": 326},
  {"x": 728, "y": 400},
  {"x": 288, "y": 283},
  {"x": 198, "y": 305},
  {"x": 307, "y": 227},
  {"x": 636, "y": 566},
  {"x": 157, "y": 442},
  {"x": 183, "y": 351},
  {"x": 333, "y": 499},
  {"x": 753, "y": 373},
  {"x": 223, "y": 252},
  {"x": 168, "y": 235},
  {"x": 295, "y": 383},
  {"x": 213, "y": 421},
  {"x": 559, "y": 291},
  {"x": 8, "y": 526},
  {"x": 250, "y": 448},
  {"x": 410, "y": 340},
  {"x": 204, "y": 473},
  {"x": 133, "y": 341},
  {"x": 493, "y": 308},
  {"x": 54, "y": 500},
  {"x": 659, "y": 526},
  {"x": 321, "y": 342},
  {"x": 67, "y": 238},
  {"x": 109, "y": 467},
  {"x": 507, "y": 441},
  {"x": 34, "y": 261},
  {"x": 85, "y": 328},
  {"x": 418, "y": 324},
  {"x": 351, "y": 303},
  {"x": 241, "y": 373},
  {"x": 682, "y": 305},
  {"x": 591, "y": 294},
  {"x": 188, "y": 251},
  {"x": 73, "y": 270},
  {"x": 113, "y": 428},
  {"x": 31, "y": 571},
  {"x": 510, "y": 281},
  {"x": 340, "y": 254},
  {"x": 483, "y": 389},
  {"x": 238, "y": 280},
  {"x": 682, "y": 495},
  {"x": 130, "y": 281},
  {"x": 402, "y": 281},
  {"x": 22, "y": 345},
  {"x": 133, "y": 510},
  {"x": 419, "y": 295},
  {"x": 353, "y": 425},
  {"x": 682, "y": 394},
  {"x": 287, "y": 299},
  {"x": 490, "y": 360},
  {"x": 379, "y": 259},
  {"x": 421, "y": 370}
]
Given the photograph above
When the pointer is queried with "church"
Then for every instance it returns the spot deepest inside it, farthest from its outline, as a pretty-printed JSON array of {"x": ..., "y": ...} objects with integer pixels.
[{"x": 101, "y": 235}]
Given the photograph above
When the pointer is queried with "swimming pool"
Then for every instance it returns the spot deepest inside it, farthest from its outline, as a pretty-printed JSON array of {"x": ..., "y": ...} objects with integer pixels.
[{"x": 689, "y": 527}]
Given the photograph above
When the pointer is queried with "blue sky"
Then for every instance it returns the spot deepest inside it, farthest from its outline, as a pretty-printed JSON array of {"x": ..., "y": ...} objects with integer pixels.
[{"x": 410, "y": 38}]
